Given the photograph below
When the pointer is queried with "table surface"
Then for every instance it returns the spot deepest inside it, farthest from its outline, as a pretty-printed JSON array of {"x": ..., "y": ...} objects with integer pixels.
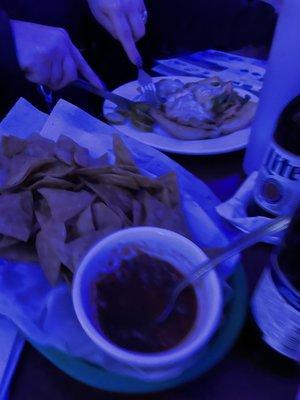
[{"x": 244, "y": 374}]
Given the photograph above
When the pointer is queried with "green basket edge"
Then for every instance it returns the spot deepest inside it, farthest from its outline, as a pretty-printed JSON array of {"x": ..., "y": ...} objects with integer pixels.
[{"x": 222, "y": 343}]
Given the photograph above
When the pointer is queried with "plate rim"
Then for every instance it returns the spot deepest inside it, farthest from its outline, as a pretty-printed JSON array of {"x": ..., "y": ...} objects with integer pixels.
[{"x": 168, "y": 148}]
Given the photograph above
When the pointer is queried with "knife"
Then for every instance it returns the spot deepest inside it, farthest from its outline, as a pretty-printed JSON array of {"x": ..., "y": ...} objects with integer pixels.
[{"x": 105, "y": 94}]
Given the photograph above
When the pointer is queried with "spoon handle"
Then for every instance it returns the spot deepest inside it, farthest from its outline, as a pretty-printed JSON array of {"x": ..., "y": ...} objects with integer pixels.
[{"x": 243, "y": 242}]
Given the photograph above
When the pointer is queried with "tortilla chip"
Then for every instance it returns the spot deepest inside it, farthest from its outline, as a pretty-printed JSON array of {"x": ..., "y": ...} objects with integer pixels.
[
  {"x": 64, "y": 149},
  {"x": 169, "y": 194},
  {"x": 157, "y": 214},
  {"x": 16, "y": 215},
  {"x": 35, "y": 228},
  {"x": 125, "y": 219},
  {"x": 57, "y": 235},
  {"x": 65, "y": 204},
  {"x": 71, "y": 153},
  {"x": 42, "y": 211},
  {"x": 55, "y": 169},
  {"x": 94, "y": 173},
  {"x": 113, "y": 195},
  {"x": 20, "y": 251},
  {"x": 138, "y": 213},
  {"x": 4, "y": 161},
  {"x": 67, "y": 201},
  {"x": 38, "y": 146},
  {"x": 79, "y": 185},
  {"x": 84, "y": 223},
  {"x": 105, "y": 218},
  {"x": 51, "y": 250},
  {"x": 78, "y": 248},
  {"x": 100, "y": 162},
  {"x": 4, "y": 165},
  {"x": 129, "y": 181},
  {"x": 49, "y": 261},
  {"x": 118, "y": 180},
  {"x": 51, "y": 182},
  {"x": 123, "y": 156},
  {"x": 13, "y": 145},
  {"x": 21, "y": 167},
  {"x": 82, "y": 157},
  {"x": 6, "y": 241}
]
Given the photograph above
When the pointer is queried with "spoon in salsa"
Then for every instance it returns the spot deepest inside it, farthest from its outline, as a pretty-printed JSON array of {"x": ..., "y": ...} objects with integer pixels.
[{"x": 242, "y": 243}]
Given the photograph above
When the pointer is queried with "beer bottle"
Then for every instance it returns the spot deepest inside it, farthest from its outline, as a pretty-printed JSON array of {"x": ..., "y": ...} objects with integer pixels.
[
  {"x": 276, "y": 300},
  {"x": 277, "y": 188}
]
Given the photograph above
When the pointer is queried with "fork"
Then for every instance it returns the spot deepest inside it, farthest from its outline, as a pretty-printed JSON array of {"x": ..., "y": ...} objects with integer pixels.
[{"x": 148, "y": 88}]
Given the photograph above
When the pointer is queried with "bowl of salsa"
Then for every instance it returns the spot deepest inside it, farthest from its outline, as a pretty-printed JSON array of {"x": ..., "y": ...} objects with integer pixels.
[{"x": 122, "y": 286}]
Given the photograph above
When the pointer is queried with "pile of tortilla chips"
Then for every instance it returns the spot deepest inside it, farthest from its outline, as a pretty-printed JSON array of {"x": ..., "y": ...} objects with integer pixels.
[{"x": 56, "y": 201}]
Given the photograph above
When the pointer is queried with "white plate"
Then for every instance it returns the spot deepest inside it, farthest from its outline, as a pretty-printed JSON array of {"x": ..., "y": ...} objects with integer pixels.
[{"x": 163, "y": 141}]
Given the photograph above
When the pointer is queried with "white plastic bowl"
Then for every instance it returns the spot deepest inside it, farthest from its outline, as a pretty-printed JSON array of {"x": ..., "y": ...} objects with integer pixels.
[{"x": 184, "y": 255}]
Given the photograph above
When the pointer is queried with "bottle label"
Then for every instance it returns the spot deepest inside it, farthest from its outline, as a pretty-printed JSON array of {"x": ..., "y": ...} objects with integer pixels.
[
  {"x": 277, "y": 188},
  {"x": 278, "y": 320}
]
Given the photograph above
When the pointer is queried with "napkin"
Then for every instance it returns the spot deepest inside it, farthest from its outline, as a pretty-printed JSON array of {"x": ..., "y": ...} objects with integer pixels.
[
  {"x": 25, "y": 119},
  {"x": 22, "y": 120},
  {"x": 45, "y": 314},
  {"x": 234, "y": 210},
  {"x": 244, "y": 72}
]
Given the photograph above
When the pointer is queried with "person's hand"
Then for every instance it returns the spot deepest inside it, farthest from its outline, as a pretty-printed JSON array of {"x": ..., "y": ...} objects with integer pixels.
[
  {"x": 124, "y": 20},
  {"x": 48, "y": 57}
]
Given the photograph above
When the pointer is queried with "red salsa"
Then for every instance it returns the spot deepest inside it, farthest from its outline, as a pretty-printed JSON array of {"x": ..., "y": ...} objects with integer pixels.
[{"x": 129, "y": 300}]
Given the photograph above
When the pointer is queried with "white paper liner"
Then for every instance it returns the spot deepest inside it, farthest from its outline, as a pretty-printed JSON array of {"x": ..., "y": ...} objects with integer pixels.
[{"x": 234, "y": 210}]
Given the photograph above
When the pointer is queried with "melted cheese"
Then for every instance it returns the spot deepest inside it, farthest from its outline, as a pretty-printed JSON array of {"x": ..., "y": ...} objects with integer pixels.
[{"x": 193, "y": 105}]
